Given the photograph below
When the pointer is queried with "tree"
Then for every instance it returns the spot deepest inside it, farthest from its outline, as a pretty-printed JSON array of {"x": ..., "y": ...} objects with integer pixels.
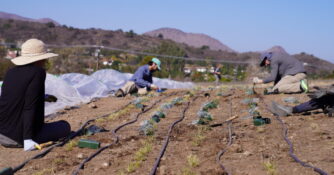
[
  {"x": 130, "y": 34},
  {"x": 161, "y": 36},
  {"x": 172, "y": 65},
  {"x": 50, "y": 25}
]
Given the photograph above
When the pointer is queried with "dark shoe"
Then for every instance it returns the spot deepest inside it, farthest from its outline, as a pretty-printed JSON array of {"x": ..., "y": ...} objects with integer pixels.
[
  {"x": 267, "y": 92},
  {"x": 119, "y": 93},
  {"x": 281, "y": 110}
]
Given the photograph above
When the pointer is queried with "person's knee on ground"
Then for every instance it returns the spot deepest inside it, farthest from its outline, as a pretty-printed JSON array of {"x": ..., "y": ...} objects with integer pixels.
[
  {"x": 142, "y": 91},
  {"x": 53, "y": 131}
]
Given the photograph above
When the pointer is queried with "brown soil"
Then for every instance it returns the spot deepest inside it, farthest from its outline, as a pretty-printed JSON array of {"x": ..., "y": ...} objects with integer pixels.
[{"x": 252, "y": 147}]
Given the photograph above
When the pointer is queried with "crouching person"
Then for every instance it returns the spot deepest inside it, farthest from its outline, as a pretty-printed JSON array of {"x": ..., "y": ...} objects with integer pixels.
[
  {"x": 141, "y": 82},
  {"x": 22, "y": 101},
  {"x": 287, "y": 73},
  {"x": 323, "y": 99}
]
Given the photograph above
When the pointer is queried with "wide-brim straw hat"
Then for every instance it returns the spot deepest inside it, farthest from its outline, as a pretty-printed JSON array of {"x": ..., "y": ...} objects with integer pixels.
[{"x": 32, "y": 50}]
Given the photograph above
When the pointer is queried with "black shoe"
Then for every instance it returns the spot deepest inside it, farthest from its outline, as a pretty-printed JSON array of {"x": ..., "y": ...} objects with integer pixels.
[
  {"x": 266, "y": 92},
  {"x": 119, "y": 93},
  {"x": 281, "y": 110}
]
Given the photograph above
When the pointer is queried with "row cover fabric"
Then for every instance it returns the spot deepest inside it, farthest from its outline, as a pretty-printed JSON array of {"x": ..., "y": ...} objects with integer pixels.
[{"x": 73, "y": 88}]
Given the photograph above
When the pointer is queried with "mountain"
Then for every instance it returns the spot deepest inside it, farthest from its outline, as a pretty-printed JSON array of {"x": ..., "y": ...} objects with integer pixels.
[
  {"x": 4, "y": 15},
  {"x": 191, "y": 39}
]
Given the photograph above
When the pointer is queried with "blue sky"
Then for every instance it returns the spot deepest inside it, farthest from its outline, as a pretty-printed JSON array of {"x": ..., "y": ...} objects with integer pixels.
[{"x": 244, "y": 25}]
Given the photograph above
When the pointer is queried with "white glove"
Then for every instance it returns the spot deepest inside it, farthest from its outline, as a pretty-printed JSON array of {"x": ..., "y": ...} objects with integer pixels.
[
  {"x": 29, "y": 145},
  {"x": 257, "y": 80}
]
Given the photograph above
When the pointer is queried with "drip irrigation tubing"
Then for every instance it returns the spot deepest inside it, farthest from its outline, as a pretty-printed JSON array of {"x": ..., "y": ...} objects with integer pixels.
[
  {"x": 82, "y": 164},
  {"x": 166, "y": 141},
  {"x": 221, "y": 153},
  {"x": 71, "y": 136},
  {"x": 287, "y": 140},
  {"x": 291, "y": 152}
]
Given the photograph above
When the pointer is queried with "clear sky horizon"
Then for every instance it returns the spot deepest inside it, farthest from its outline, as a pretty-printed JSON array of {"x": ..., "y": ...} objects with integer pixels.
[{"x": 243, "y": 25}]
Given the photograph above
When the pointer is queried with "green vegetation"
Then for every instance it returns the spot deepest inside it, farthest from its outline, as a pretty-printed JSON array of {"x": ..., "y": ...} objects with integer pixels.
[
  {"x": 193, "y": 160},
  {"x": 270, "y": 168},
  {"x": 70, "y": 145},
  {"x": 140, "y": 155}
]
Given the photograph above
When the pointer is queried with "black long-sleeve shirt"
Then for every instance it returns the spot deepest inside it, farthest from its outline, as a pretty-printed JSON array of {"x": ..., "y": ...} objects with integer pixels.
[{"x": 22, "y": 102}]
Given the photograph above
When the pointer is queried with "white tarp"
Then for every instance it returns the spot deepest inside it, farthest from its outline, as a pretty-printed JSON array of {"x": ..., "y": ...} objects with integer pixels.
[{"x": 74, "y": 88}]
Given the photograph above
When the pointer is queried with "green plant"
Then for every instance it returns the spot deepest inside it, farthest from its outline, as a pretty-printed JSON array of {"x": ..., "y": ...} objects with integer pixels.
[
  {"x": 270, "y": 168},
  {"x": 70, "y": 145},
  {"x": 187, "y": 171},
  {"x": 198, "y": 138},
  {"x": 193, "y": 160}
]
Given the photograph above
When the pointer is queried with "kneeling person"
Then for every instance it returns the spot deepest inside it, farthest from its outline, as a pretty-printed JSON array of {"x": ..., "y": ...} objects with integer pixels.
[
  {"x": 142, "y": 80},
  {"x": 287, "y": 73},
  {"x": 22, "y": 101}
]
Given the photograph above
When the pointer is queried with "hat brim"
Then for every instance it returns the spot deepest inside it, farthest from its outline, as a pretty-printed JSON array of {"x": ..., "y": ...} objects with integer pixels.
[{"x": 23, "y": 60}]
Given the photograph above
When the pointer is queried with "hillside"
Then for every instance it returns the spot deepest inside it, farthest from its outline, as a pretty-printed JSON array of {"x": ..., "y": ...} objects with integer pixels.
[
  {"x": 17, "y": 31},
  {"x": 4, "y": 15},
  {"x": 191, "y": 39}
]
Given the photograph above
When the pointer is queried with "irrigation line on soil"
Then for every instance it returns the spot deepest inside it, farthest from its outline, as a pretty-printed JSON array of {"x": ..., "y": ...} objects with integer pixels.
[
  {"x": 221, "y": 153},
  {"x": 287, "y": 140},
  {"x": 82, "y": 164},
  {"x": 291, "y": 153},
  {"x": 166, "y": 141},
  {"x": 71, "y": 136}
]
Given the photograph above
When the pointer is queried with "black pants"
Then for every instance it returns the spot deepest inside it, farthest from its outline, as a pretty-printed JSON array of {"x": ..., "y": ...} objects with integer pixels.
[
  {"x": 53, "y": 131},
  {"x": 314, "y": 104}
]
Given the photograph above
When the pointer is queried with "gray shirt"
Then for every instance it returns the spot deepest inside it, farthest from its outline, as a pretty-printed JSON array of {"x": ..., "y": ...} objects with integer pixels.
[{"x": 283, "y": 64}]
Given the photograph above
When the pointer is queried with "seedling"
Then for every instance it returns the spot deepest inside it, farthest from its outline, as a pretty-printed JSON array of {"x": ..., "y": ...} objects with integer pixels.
[
  {"x": 270, "y": 168},
  {"x": 193, "y": 161},
  {"x": 69, "y": 146},
  {"x": 198, "y": 138},
  {"x": 141, "y": 155},
  {"x": 187, "y": 171}
]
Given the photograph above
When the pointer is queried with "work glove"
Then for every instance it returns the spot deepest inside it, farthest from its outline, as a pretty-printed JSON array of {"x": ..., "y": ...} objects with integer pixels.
[
  {"x": 50, "y": 98},
  {"x": 257, "y": 80},
  {"x": 29, "y": 145},
  {"x": 154, "y": 87}
]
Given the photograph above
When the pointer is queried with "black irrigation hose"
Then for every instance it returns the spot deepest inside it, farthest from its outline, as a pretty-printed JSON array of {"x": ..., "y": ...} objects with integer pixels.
[
  {"x": 221, "y": 153},
  {"x": 43, "y": 153},
  {"x": 285, "y": 136},
  {"x": 82, "y": 164},
  {"x": 291, "y": 152},
  {"x": 166, "y": 141}
]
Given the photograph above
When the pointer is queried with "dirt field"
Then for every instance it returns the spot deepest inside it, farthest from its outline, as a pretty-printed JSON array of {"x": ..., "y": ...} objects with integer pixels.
[{"x": 192, "y": 149}]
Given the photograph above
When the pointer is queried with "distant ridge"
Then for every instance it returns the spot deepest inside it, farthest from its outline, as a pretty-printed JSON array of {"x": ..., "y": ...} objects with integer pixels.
[
  {"x": 5, "y": 15},
  {"x": 191, "y": 39}
]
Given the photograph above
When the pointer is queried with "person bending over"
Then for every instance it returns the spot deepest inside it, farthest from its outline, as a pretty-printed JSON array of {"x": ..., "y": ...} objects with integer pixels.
[{"x": 287, "y": 73}]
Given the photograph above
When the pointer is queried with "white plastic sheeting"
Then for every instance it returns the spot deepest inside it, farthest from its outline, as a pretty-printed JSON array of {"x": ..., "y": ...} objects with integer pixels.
[{"x": 73, "y": 88}]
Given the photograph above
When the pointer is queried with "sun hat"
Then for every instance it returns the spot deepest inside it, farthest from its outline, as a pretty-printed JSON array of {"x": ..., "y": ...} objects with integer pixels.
[
  {"x": 264, "y": 56},
  {"x": 32, "y": 50},
  {"x": 157, "y": 62}
]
